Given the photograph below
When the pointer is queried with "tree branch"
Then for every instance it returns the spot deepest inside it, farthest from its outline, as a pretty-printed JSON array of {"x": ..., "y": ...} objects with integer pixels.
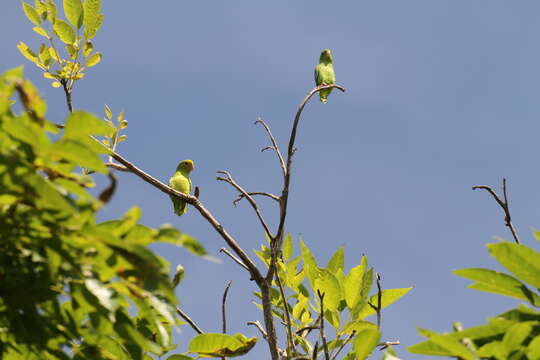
[
  {"x": 349, "y": 338},
  {"x": 323, "y": 337},
  {"x": 235, "y": 259},
  {"x": 196, "y": 203},
  {"x": 241, "y": 196},
  {"x": 184, "y": 316},
  {"x": 258, "y": 325},
  {"x": 274, "y": 146},
  {"x": 230, "y": 180},
  {"x": 379, "y": 301},
  {"x": 223, "y": 313},
  {"x": 504, "y": 205},
  {"x": 384, "y": 345},
  {"x": 290, "y": 343}
]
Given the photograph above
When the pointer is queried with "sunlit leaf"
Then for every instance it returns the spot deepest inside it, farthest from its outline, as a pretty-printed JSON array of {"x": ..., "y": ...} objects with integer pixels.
[
  {"x": 93, "y": 60},
  {"x": 365, "y": 342},
  {"x": 74, "y": 12},
  {"x": 64, "y": 31},
  {"x": 31, "y": 13}
]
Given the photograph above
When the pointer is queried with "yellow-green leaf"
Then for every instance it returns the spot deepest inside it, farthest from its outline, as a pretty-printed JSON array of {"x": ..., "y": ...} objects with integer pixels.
[
  {"x": 74, "y": 12},
  {"x": 64, "y": 31},
  {"x": 51, "y": 10},
  {"x": 80, "y": 123},
  {"x": 287, "y": 247},
  {"x": 41, "y": 9},
  {"x": 328, "y": 284},
  {"x": 388, "y": 297},
  {"x": 92, "y": 18},
  {"x": 220, "y": 345},
  {"x": 41, "y": 31},
  {"x": 88, "y": 48},
  {"x": 54, "y": 54},
  {"x": 27, "y": 53},
  {"x": 108, "y": 112},
  {"x": 365, "y": 342},
  {"x": 31, "y": 13},
  {"x": 56, "y": 84},
  {"x": 78, "y": 153},
  {"x": 93, "y": 60}
]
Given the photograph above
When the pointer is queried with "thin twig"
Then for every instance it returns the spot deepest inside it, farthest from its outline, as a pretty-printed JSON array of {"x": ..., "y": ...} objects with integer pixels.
[
  {"x": 223, "y": 313},
  {"x": 314, "y": 355},
  {"x": 504, "y": 205},
  {"x": 196, "y": 203},
  {"x": 384, "y": 345},
  {"x": 67, "y": 92},
  {"x": 235, "y": 259},
  {"x": 241, "y": 196},
  {"x": 378, "y": 307},
  {"x": 117, "y": 166},
  {"x": 228, "y": 179},
  {"x": 274, "y": 146},
  {"x": 184, "y": 316},
  {"x": 349, "y": 338},
  {"x": 258, "y": 325},
  {"x": 290, "y": 343},
  {"x": 323, "y": 337}
]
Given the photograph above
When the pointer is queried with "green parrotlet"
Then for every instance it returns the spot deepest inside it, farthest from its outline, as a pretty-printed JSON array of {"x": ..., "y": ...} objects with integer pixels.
[
  {"x": 181, "y": 182},
  {"x": 324, "y": 74}
]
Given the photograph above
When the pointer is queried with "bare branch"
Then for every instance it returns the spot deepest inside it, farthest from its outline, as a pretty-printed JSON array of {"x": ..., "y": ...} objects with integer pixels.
[
  {"x": 504, "y": 205},
  {"x": 235, "y": 259},
  {"x": 230, "y": 180},
  {"x": 258, "y": 325},
  {"x": 386, "y": 344},
  {"x": 349, "y": 338},
  {"x": 223, "y": 313},
  {"x": 290, "y": 343},
  {"x": 274, "y": 146},
  {"x": 117, "y": 166},
  {"x": 192, "y": 200},
  {"x": 323, "y": 337},
  {"x": 378, "y": 307},
  {"x": 184, "y": 316},
  {"x": 241, "y": 196}
]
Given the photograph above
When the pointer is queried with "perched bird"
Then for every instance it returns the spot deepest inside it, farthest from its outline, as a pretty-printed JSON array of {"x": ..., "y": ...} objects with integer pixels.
[
  {"x": 324, "y": 74},
  {"x": 178, "y": 276},
  {"x": 181, "y": 182}
]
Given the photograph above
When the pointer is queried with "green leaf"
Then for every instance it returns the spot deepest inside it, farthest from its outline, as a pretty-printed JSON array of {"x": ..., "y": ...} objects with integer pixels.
[
  {"x": 533, "y": 349},
  {"x": 179, "y": 357},
  {"x": 448, "y": 343},
  {"x": 27, "y": 53},
  {"x": 352, "y": 287},
  {"x": 521, "y": 260},
  {"x": 357, "y": 326},
  {"x": 337, "y": 261},
  {"x": 287, "y": 247},
  {"x": 498, "y": 283},
  {"x": 74, "y": 12},
  {"x": 388, "y": 297},
  {"x": 429, "y": 348},
  {"x": 64, "y": 31},
  {"x": 310, "y": 265},
  {"x": 516, "y": 335},
  {"x": 92, "y": 18},
  {"x": 93, "y": 60},
  {"x": 328, "y": 284},
  {"x": 78, "y": 153},
  {"x": 108, "y": 112},
  {"x": 220, "y": 345},
  {"x": 31, "y": 13},
  {"x": 88, "y": 48},
  {"x": 80, "y": 124},
  {"x": 51, "y": 10},
  {"x": 41, "y": 31},
  {"x": 104, "y": 294},
  {"x": 365, "y": 342}
]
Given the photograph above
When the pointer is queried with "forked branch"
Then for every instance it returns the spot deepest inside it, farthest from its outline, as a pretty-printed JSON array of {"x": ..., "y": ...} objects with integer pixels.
[{"x": 504, "y": 205}]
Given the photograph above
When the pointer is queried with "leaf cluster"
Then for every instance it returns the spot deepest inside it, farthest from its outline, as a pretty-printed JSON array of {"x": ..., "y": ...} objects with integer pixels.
[
  {"x": 71, "y": 287},
  {"x": 346, "y": 302},
  {"x": 512, "y": 335}
]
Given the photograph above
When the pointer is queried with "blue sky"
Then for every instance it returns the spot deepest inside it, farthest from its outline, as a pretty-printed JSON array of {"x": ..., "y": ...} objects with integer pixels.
[{"x": 442, "y": 95}]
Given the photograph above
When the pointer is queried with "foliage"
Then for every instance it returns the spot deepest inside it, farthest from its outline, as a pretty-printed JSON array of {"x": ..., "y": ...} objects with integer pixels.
[
  {"x": 72, "y": 287},
  {"x": 346, "y": 302},
  {"x": 514, "y": 334},
  {"x": 79, "y": 49}
]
